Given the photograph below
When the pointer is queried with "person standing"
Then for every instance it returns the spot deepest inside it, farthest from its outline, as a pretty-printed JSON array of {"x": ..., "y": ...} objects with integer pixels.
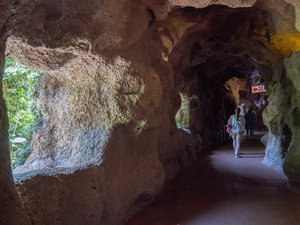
[
  {"x": 250, "y": 123},
  {"x": 237, "y": 122}
]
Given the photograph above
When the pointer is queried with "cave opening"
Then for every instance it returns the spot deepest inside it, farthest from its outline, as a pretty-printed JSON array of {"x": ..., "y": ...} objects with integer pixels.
[
  {"x": 200, "y": 112},
  {"x": 217, "y": 51},
  {"x": 20, "y": 94},
  {"x": 112, "y": 91},
  {"x": 223, "y": 56}
]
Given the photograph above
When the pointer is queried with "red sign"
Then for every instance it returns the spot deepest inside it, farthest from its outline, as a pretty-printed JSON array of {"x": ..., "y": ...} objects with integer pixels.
[
  {"x": 258, "y": 89},
  {"x": 255, "y": 89}
]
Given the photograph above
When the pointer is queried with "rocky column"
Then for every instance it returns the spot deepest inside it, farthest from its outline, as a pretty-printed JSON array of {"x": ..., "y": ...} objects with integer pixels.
[
  {"x": 292, "y": 115},
  {"x": 12, "y": 211}
]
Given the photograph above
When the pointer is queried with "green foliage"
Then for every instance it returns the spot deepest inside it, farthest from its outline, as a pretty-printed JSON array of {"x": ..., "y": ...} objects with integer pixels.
[{"x": 19, "y": 89}]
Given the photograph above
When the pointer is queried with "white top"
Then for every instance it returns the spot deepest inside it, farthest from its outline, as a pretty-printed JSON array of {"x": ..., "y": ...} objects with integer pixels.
[{"x": 238, "y": 124}]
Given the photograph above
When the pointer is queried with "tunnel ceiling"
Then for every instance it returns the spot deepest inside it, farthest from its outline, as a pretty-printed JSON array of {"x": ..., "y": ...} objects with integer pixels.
[
  {"x": 221, "y": 42},
  {"x": 58, "y": 31}
]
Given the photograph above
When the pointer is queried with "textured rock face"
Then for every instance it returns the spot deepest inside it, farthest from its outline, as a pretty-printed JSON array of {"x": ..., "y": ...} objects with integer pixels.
[
  {"x": 114, "y": 73},
  {"x": 291, "y": 119},
  {"x": 205, "y": 3},
  {"x": 11, "y": 208}
]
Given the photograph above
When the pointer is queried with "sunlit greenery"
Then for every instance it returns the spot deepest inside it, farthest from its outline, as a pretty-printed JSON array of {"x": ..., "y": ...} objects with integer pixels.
[{"x": 19, "y": 89}]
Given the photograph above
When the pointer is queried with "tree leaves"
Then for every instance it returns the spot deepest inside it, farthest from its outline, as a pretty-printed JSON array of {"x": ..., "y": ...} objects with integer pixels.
[{"x": 19, "y": 90}]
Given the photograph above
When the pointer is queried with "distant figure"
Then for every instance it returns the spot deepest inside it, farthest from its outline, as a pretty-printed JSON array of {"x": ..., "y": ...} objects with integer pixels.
[
  {"x": 237, "y": 122},
  {"x": 250, "y": 118}
]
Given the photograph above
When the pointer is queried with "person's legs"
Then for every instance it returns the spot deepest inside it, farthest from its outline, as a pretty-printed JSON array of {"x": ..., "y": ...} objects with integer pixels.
[
  {"x": 251, "y": 133},
  {"x": 233, "y": 135},
  {"x": 238, "y": 143},
  {"x": 248, "y": 133}
]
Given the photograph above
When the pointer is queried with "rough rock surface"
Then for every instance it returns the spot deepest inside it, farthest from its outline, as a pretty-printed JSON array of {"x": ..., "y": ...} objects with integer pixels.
[
  {"x": 11, "y": 208},
  {"x": 112, "y": 88}
]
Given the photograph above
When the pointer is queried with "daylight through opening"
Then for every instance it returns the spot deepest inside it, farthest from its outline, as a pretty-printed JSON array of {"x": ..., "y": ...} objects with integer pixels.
[{"x": 20, "y": 93}]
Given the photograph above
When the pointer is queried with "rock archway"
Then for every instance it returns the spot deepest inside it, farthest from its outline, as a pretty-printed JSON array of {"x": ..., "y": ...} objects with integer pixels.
[{"x": 114, "y": 73}]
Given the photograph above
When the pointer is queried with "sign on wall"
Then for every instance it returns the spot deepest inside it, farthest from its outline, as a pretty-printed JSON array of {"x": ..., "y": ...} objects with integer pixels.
[{"x": 258, "y": 89}]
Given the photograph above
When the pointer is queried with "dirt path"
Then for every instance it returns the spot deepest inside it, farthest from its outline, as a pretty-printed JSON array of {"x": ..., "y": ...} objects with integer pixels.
[{"x": 218, "y": 189}]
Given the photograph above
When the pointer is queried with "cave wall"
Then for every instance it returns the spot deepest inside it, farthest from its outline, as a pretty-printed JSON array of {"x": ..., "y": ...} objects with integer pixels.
[
  {"x": 110, "y": 94},
  {"x": 282, "y": 147},
  {"x": 281, "y": 117},
  {"x": 291, "y": 125},
  {"x": 11, "y": 208},
  {"x": 107, "y": 114}
]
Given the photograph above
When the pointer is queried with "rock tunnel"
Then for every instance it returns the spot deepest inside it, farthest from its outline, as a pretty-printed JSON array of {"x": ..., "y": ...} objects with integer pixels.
[{"x": 116, "y": 75}]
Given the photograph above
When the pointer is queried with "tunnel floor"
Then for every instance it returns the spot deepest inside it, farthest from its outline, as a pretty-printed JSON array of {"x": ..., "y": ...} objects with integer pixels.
[{"x": 219, "y": 189}]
